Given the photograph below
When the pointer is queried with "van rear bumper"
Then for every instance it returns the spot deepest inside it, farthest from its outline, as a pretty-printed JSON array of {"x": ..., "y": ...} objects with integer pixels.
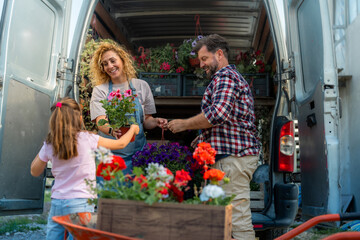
[{"x": 286, "y": 207}]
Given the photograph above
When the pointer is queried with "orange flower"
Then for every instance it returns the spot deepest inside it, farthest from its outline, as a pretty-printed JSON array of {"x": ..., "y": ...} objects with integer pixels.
[
  {"x": 204, "y": 154},
  {"x": 117, "y": 164},
  {"x": 214, "y": 175}
]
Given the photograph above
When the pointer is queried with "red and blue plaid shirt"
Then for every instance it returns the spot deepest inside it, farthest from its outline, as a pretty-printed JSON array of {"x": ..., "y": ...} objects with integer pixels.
[{"x": 228, "y": 105}]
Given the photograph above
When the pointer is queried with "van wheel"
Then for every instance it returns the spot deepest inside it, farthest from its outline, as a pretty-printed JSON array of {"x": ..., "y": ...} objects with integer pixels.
[{"x": 271, "y": 234}]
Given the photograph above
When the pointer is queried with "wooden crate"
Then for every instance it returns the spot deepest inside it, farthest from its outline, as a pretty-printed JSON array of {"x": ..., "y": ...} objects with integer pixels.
[
  {"x": 257, "y": 199},
  {"x": 165, "y": 221}
]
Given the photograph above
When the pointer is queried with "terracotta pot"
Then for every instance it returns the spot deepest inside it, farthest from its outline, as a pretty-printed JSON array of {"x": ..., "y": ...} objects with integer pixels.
[
  {"x": 194, "y": 62},
  {"x": 124, "y": 130}
]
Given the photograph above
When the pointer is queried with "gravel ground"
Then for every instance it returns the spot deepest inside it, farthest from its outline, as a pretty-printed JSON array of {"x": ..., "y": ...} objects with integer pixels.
[
  {"x": 31, "y": 235},
  {"x": 28, "y": 235}
]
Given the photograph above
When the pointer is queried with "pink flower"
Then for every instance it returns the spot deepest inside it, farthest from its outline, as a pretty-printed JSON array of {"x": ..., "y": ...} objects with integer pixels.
[
  {"x": 119, "y": 96},
  {"x": 127, "y": 93},
  {"x": 179, "y": 70},
  {"x": 165, "y": 66},
  {"x": 111, "y": 96}
]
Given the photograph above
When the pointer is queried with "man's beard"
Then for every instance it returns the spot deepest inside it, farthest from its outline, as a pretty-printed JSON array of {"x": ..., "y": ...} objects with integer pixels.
[{"x": 212, "y": 69}]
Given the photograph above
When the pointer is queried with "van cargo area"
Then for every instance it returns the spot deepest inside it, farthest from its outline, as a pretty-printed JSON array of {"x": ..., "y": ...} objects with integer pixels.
[{"x": 245, "y": 24}]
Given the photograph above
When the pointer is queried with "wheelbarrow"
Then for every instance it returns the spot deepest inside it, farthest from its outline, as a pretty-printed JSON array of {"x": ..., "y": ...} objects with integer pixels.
[
  {"x": 82, "y": 227},
  {"x": 325, "y": 218}
]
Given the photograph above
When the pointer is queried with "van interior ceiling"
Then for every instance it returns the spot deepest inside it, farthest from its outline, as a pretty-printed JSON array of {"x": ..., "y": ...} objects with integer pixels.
[{"x": 155, "y": 23}]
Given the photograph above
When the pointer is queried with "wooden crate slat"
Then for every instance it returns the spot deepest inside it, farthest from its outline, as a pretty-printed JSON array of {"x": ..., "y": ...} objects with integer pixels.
[{"x": 164, "y": 220}]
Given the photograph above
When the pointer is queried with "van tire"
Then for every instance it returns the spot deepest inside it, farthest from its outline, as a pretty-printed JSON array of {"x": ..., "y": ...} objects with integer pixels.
[{"x": 271, "y": 234}]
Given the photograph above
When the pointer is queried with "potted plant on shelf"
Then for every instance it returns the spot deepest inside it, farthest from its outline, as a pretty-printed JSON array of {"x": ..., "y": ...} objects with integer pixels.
[
  {"x": 186, "y": 57},
  {"x": 251, "y": 62},
  {"x": 119, "y": 108},
  {"x": 253, "y": 67},
  {"x": 153, "y": 195}
]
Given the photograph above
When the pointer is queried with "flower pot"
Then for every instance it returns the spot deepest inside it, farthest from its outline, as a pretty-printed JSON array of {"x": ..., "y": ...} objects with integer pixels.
[
  {"x": 194, "y": 62},
  {"x": 164, "y": 220},
  {"x": 124, "y": 130}
]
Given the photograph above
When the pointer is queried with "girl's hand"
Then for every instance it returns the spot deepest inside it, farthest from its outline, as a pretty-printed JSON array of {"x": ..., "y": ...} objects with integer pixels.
[
  {"x": 136, "y": 128},
  {"x": 162, "y": 123}
]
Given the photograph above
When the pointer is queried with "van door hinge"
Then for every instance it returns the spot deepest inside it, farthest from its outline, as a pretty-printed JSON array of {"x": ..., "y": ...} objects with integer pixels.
[
  {"x": 63, "y": 66},
  {"x": 288, "y": 71}
]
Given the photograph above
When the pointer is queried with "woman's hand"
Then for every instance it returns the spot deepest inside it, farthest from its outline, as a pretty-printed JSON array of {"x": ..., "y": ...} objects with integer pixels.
[
  {"x": 116, "y": 133},
  {"x": 162, "y": 123}
]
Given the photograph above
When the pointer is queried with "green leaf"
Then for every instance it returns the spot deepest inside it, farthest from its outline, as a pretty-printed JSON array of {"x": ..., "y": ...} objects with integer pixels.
[{"x": 102, "y": 122}]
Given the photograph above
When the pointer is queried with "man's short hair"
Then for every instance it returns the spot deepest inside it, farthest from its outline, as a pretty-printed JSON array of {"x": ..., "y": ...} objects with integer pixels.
[{"x": 213, "y": 42}]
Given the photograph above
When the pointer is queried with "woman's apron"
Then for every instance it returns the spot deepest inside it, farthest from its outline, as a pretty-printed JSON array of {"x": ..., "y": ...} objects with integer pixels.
[{"x": 140, "y": 140}]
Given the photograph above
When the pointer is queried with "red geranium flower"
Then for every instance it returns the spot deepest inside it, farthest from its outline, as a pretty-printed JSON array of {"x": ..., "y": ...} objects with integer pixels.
[
  {"x": 117, "y": 164},
  {"x": 177, "y": 193},
  {"x": 182, "y": 178},
  {"x": 142, "y": 180}
]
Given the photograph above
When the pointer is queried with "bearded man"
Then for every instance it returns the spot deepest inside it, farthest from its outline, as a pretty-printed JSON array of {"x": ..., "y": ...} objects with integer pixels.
[{"x": 227, "y": 122}]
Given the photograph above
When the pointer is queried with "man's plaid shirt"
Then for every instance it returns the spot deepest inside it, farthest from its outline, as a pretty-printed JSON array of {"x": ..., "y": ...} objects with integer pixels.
[{"x": 228, "y": 105}]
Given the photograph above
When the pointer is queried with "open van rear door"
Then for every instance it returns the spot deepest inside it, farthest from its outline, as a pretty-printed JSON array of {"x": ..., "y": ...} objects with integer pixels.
[
  {"x": 311, "y": 51},
  {"x": 33, "y": 46}
]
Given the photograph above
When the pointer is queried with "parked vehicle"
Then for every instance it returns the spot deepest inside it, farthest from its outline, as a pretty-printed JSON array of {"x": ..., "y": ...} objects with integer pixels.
[{"x": 39, "y": 59}]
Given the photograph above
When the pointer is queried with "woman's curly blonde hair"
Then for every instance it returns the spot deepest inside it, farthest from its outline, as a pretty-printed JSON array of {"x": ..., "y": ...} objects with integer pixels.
[{"x": 97, "y": 74}]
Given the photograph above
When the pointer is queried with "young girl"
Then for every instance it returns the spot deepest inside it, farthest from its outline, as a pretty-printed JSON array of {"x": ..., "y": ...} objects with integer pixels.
[{"x": 69, "y": 150}]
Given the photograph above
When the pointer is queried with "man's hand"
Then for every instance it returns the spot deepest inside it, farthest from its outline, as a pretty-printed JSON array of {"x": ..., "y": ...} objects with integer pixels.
[{"x": 177, "y": 125}]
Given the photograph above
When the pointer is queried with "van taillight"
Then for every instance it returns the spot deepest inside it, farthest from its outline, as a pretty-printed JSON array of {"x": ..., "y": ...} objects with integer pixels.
[{"x": 286, "y": 148}]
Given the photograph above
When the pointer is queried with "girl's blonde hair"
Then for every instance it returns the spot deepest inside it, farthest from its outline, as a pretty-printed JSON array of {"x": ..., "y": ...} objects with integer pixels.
[
  {"x": 64, "y": 125},
  {"x": 98, "y": 75}
]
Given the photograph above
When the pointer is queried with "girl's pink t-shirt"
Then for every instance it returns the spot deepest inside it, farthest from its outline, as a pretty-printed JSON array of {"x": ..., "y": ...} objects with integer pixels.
[{"x": 70, "y": 174}]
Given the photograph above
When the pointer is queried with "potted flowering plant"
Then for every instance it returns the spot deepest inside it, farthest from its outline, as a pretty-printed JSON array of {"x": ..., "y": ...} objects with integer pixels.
[
  {"x": 119, "y": 108},
  {"x": 186, "y": 57},
  {"x": 171, "y": 155},
  {"x": 253, "y": 67},
  {"x": 251, "y": 62},
  {"x": 153, "y": 195},
  {"x": 174, "y": 157}
]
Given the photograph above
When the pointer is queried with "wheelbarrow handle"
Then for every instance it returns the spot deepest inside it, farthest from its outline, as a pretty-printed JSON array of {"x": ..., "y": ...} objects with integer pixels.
[
  {"x": 344, "y": 236},
  {"x": 316, "y": 220},
  {"x": 308, "y": 224}
]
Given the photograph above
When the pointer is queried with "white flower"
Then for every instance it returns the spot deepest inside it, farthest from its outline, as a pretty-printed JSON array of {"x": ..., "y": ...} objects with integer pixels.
[
  {"x": 156, "y": 171},
  {"x": 102, "y": 154},
  {"x": 211, "y": 191}
]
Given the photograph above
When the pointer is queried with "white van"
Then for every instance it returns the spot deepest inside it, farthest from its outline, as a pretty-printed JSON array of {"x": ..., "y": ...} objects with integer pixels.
[{"x": 39, "y": 59}]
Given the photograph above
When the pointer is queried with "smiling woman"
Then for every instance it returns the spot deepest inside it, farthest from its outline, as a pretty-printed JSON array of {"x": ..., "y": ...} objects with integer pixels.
[{"x": 112, "y": 69}]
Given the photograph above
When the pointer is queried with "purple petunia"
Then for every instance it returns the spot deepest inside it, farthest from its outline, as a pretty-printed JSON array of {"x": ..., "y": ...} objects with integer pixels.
[
  {"x": 193, "y": 44},
  {"x": 171, "y": 155}
]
